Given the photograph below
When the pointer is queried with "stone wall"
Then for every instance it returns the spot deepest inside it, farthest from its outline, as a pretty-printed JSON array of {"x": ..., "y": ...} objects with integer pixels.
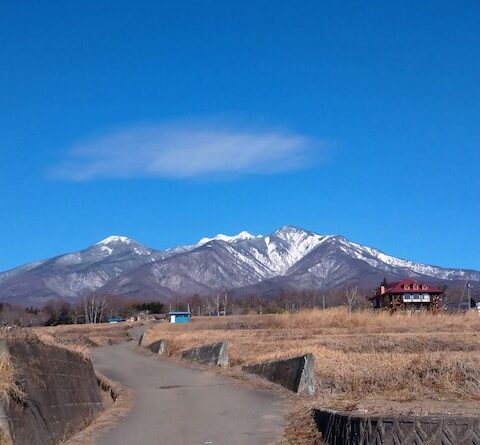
[
  {"x": 295, "y": 374},
  {"x": 62, "y": 395},
  {"x": 340, "y": 428}
]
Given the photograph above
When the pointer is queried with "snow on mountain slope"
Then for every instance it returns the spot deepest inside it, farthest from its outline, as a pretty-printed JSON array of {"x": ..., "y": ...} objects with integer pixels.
[
  {"x": 280, "y": 250},
  {"x": 336, "y": 263},
  {"x": 242, "y": 236},
  {"x": 268, "y": 255},
  {"x": 377, "y": 258},
  {"x": 214, "y": 265},
  {"x": 360, "y": 263}
]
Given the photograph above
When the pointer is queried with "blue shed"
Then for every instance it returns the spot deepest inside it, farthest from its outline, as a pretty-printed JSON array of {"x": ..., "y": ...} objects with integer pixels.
[{"x": 179, "y": 316}]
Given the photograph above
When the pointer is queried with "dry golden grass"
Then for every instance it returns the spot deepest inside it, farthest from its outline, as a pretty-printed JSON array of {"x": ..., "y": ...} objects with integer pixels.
[
  {"x": 363, "y": 357},
  {"x": 82, "y": 337},
  {"x": 8, "y": 372},
  {"x": 7, "y": 376}
]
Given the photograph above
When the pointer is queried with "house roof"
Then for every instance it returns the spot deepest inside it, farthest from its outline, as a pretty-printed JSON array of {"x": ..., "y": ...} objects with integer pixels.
[
  {"x": 399, "y": 288},
  {"x": 179, "y": 313},
  {"x": 407, "y": 285}
]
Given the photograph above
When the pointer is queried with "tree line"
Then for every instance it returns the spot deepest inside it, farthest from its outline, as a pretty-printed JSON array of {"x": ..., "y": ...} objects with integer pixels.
[{"x": 98, "y": 308}]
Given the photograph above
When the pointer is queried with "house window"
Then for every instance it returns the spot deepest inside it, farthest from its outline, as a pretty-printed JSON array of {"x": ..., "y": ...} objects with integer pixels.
[
  {"x": 415, "y": 287},
  {"x": 424, "y": 287},
  {"x": 406, "y": 287}
]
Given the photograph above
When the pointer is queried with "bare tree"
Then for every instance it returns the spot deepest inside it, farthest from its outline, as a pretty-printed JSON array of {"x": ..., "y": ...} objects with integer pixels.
[
  {"x": 94, "y": 307},
  {"x": 76, "y": 313},
  {"x": 11, "y": 314},
  {"x": 216, "y": 303},
  {"x": 351, "y": 295},
  {"x": 208, "y": 303},
  {"x": 225, "y": 302}
]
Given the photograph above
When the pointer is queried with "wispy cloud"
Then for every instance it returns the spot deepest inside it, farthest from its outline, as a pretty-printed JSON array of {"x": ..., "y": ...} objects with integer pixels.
[{"x": 186, "y": 150}]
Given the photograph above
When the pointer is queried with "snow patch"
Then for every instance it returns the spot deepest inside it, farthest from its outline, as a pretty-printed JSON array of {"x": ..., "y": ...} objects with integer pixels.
[
  {"x": 242, "y": 236},
  {"x": 107, "y": 249}
]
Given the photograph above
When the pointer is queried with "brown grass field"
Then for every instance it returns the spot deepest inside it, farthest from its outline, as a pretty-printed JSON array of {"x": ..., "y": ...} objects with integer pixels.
[
  {"x": 83, "y": 337},
  {"x": 419, "y": 363}
]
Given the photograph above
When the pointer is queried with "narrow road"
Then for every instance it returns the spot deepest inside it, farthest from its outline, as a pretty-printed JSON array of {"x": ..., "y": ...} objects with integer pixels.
[{"x": 176, "y": 405}]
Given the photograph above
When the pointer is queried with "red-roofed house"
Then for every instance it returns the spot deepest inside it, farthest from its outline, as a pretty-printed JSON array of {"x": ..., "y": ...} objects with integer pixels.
[{"x": 407, "y": 295}]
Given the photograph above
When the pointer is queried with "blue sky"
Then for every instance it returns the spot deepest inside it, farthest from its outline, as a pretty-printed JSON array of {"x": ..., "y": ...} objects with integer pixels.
[{"x": 170, "y": 121}]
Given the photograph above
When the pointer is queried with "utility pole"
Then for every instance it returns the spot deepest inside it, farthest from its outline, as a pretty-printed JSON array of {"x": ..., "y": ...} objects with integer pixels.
[{"x": 466, "y": 295}]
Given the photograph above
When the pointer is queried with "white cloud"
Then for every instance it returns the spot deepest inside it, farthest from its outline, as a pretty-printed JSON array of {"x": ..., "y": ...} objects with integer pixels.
[{"x": 186, "y": 150}]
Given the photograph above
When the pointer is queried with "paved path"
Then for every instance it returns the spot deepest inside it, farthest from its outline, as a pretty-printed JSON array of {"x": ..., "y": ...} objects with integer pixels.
[{"x": 176, "y": 405}]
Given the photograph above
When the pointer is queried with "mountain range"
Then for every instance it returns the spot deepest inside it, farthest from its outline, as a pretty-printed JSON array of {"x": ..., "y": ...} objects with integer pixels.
[{"x": 290, "y": 258}]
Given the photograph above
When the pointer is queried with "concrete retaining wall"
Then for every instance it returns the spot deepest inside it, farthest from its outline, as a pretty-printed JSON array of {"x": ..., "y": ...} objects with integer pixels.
[
  {"x": 339, "y": 428},
  {"x": 215, "y": 354},
  {"x": 296, "y": 373},
  {"x": 62, "y": 395},
  {"x": 142, "y": 339},
  {"x": 158, "y": 347}
]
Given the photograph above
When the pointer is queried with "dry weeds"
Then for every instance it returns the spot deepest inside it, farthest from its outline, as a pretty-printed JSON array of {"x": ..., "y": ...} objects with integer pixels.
[
  {"x": 83, "y": 337},
  {"x": 9, "y": 386}
]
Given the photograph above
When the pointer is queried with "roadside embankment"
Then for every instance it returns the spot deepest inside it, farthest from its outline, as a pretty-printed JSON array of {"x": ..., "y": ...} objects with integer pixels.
[{"x": 49, "y": 392}]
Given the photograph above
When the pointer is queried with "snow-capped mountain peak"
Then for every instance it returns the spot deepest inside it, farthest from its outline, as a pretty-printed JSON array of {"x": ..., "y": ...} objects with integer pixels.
[
  {"x": 115, "y": 239},
  {"x": 286, "y": 246},
  {"x": 300, "y": 238}
]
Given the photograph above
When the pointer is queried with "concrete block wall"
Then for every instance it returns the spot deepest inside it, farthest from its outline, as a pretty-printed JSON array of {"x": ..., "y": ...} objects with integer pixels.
[
  {"x": 215, "y": 354},
  {"x": 62, "y": 395},
  {"x": 295, "y": 373},
  {"x": 158, "y": 347},
  {"x": 342, "y": 428}
]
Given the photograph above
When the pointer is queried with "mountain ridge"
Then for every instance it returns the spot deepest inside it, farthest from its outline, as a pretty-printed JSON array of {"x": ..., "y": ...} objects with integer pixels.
[{"x": 289, "y": 258}]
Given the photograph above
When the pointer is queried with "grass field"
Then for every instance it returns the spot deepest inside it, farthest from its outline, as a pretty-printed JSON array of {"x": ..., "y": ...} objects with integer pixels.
[
  {"x": 83, "y": 337},
  {"x": 368, "y": 361}
]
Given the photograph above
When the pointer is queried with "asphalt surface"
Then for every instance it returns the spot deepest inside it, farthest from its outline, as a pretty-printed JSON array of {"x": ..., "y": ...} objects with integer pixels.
[{"x": 177, "y": 405}]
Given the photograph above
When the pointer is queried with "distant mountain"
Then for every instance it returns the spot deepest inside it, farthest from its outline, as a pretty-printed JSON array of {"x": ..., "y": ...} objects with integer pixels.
[
  {"x": 73, "y": 275},
  {"x": 219, "y": 263},
  {"x": 290, "y": 258}
]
